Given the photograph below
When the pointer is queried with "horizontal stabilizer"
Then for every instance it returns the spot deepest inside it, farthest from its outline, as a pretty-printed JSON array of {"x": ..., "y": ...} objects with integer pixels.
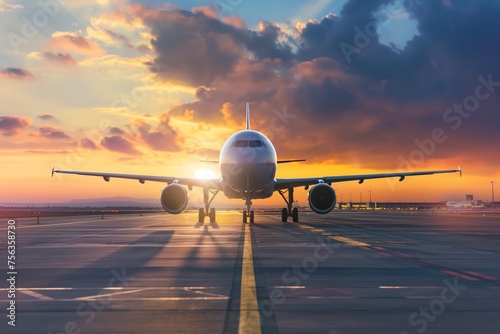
[{"x": 291, "y": 160}]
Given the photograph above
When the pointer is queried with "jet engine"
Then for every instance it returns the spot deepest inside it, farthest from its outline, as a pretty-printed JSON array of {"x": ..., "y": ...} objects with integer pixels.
[
  {"x": 322, "y": 198},
  {"x": 174, "y": 198}
]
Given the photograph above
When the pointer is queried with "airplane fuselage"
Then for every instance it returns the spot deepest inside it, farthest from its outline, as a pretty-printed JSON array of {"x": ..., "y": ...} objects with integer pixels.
[{"x": 247, "y": 165}]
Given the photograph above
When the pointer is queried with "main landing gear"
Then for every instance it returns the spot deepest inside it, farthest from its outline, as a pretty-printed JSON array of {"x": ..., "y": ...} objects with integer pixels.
[
  {"x": 210, "y": 212},
  {"x": 288, "y": 211}
]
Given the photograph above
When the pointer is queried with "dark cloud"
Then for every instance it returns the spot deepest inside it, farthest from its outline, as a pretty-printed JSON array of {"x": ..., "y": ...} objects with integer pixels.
[
  {"x": 368, "y": 105},
  {"x": 119, "y": 144},
  {"x": 12, "y": 125},
  {"x": 60, "y": 58},
  {"x": 193, "y": 48},
  {"x": 164, "y": 138},
  {"x": 116, "y": 131},
  {"x": 15, "y": 73},
  {"x": 47, "y": 117},
  {"x": 51, "y": 132},
  {"x": 87, "y": 144}
]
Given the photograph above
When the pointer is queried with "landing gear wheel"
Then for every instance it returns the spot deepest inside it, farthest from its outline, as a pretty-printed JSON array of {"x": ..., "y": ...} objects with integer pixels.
[
  {"x": 244, "y": 216},
  {"x": 201, "y": 215},
  {"x": 251, "y": 217},
  {"x": 212, "y": 215},
  {"x": 295, "y": 215},
  {"x": 284, "y": 215}
]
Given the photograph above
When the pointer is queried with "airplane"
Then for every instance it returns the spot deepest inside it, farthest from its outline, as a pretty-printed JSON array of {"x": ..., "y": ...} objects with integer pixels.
[{"x": 248, "y": 163}]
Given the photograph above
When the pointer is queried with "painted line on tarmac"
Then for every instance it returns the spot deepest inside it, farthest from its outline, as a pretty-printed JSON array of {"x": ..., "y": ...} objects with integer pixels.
[
  {"x": 35, "y": 294},
  {"x": 249, "y": 308},
  {"x": 342, "y": 239},
  {"x": 463, "y": 274}
]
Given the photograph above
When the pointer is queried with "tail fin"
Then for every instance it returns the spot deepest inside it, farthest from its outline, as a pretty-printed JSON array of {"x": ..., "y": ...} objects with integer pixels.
[{"x": 248, "y": 116}]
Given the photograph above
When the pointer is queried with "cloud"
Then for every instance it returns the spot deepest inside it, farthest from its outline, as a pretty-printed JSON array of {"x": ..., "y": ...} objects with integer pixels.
[
  {"x": 116, "y": 131},
  {"x": 12, "y": 125},
  {"x": 5, "y": 6},
  {"x": 119, "y": 144},
  {"x": 15, "y": 73},
  {"x": 47, "y": 117},
  {"x": 195, "y": 48},
  {"x": 370, "y": 106},
  {"x": 315, "y": 101},
  {"x": 87, "y": 144},
  {"x": 164, "y": 138},
  {"x": 74, "y": 43},
  {"x": 142, "y": 48},
  {"x": 51, "y": 132},
  {"x": 60, "y": 58}
]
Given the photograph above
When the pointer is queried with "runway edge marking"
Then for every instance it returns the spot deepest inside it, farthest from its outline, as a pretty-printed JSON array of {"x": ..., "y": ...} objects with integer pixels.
[{"x": 249, "y": 309}]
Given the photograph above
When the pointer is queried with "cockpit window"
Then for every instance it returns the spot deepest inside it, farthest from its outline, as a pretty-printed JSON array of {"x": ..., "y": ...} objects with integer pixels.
[
  {"x": 254, "y": 143},
  {"x": 241, "y": 143}
]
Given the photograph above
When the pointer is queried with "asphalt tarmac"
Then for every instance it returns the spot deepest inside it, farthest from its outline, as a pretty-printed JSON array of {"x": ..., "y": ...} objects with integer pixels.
[{"x": 338, "y": 273}]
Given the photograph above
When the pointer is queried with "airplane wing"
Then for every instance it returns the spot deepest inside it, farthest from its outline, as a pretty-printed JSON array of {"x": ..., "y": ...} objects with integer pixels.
[
  {"x": 190, "y": 182},
  {"x": 300, "y": 182}
]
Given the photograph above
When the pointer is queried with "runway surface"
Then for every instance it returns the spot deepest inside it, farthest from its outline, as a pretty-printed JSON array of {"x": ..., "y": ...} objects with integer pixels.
[{"x": 337, "y": 273}]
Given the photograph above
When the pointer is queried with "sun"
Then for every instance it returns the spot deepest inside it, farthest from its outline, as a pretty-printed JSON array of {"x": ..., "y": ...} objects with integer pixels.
[{"x": 204, "y": 174}]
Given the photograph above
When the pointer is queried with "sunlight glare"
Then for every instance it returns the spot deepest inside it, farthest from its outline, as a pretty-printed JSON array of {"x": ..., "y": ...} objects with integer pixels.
[{"x": 204, "y": 174}]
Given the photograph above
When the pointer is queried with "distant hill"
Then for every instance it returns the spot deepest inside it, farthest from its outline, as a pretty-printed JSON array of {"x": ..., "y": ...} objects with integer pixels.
[
  {"x": 118, "y": 201},
  {"x": 115, "y": 201}
]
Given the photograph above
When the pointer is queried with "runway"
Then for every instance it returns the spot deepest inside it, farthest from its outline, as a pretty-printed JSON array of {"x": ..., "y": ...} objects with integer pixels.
[{"x": 337, "y": 273}]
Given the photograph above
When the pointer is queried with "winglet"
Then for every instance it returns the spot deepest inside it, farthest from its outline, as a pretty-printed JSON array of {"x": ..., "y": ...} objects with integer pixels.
[
  {"x": 460, "y": 170},
  {"x": 248, "y": 116},
  {"x": 53, "y": 168}
]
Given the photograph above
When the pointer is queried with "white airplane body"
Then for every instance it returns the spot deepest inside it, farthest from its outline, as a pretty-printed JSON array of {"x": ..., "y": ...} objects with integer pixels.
[{"x": 248, "y": 164}]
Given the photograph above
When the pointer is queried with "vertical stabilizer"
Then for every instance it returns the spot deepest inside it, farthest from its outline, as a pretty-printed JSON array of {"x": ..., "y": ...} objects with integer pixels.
[{"x": 248, "y": 116}]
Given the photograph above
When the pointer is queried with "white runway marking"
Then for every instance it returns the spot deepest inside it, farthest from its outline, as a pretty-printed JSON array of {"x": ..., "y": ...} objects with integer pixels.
[{"x": 34, "y": 294}]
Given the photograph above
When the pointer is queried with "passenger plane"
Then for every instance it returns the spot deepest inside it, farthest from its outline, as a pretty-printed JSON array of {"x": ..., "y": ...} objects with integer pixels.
[{"x": 247, "y": 164}]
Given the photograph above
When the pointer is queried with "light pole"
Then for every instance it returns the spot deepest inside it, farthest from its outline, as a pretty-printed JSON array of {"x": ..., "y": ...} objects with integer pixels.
[
  {"x": 360, "y": 197},
  {"x": 492, "y": 194},
  {"x": 370, "y": 195},
  {"x": 350, "y": 197}
]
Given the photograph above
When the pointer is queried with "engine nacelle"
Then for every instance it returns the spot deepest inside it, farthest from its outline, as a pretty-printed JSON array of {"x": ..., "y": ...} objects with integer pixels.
[
  {"x": 174, "y": 198},
  {"x": 322, "y": 198}
]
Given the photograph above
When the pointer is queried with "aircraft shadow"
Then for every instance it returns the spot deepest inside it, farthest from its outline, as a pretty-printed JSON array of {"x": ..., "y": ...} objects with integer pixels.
[{"x": 122, "y": 265}]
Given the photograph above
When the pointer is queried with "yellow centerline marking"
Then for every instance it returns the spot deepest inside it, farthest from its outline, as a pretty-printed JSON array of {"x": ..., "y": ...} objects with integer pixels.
[
  {"x": 345, "y": 240},
  {"x": 249, "y": 310},
  {"x": 349, "y": 241}
]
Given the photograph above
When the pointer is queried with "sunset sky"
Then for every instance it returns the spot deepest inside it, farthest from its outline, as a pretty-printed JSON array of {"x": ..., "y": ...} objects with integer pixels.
[{"x": 152, "y": 87}]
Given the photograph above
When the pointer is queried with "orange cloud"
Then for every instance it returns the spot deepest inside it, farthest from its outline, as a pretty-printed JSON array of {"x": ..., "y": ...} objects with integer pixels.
[
  {"x": 51, "y": 132},
  {"x": 12, "y": 125},
  {"x": 87, "y": 144},
  {"x": 119, "y": 144},
  {"x": 75, "y": 43},
  {"x": 60, "y": 58},
  {"x": 15, "y": 73}
]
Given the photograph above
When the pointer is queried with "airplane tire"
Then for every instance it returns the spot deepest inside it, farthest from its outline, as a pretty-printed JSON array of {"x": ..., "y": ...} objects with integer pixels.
[
  {"x": 295, "y": 215},
  {"x": 251, "y": 217},
  {"x": 284, "y": 215},
  {"x": 201, "y": 215},
  {"x": 244, "y": 216},
  {"x": 212, "y": 215}
]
